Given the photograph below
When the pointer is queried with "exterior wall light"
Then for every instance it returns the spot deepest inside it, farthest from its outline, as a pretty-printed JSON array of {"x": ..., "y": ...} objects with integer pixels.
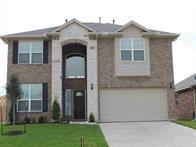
[
  {"x": 171, "y": 85},
  {"x": 91, "y": 86}
]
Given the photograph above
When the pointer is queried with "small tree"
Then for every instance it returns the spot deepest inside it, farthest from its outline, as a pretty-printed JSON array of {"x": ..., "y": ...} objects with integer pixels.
[
  {"x": 14, "y": 92},
  {"x": 91, "y": 118},
  {"x": 10, "y": 114},
  {"x": 56, "y": 111}
]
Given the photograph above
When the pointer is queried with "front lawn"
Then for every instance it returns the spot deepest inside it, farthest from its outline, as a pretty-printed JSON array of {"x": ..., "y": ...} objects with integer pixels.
[
  {"x": 188, "y": 123},
  {"x": 55, "y": 135}
]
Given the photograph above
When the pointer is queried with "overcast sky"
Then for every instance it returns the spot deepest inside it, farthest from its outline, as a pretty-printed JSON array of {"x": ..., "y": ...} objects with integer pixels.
[{"x": 178, "y": 16}]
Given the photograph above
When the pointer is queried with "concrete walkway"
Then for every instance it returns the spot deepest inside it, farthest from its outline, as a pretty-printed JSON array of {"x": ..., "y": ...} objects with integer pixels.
[{"x": 148, "y": 134}]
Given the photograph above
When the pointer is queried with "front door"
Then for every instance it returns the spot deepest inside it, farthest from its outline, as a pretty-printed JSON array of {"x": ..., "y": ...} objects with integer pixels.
[{"x": 79, "y": 104}]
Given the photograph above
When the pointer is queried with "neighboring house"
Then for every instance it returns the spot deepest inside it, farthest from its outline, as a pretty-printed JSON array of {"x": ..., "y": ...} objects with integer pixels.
[
  {"x": 116, "y": 72},
  {"x": 3, "y": 108},
  {"x": 186, "y": 98}
]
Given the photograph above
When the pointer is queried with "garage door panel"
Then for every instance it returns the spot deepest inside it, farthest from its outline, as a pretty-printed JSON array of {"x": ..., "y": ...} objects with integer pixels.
[{"x": 133, "y": 104}]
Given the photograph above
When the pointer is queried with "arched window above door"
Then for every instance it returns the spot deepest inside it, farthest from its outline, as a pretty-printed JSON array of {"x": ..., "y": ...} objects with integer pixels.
[{"x": 75, "y": 66}]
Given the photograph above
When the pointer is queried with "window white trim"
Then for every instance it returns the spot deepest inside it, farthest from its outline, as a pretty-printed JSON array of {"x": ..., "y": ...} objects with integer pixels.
[
  {"x": 29, "y": 99},
  {"x": 30, "y": 52},
  {"x": 132, "y": 49}
]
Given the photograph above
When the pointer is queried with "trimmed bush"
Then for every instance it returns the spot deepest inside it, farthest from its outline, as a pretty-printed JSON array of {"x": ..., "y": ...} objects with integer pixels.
[
  {"x": 33, "y": 120},
  {"x": 62, "y": 118},
  {"x": 91, "y": 118},
  {"x": 45, "y": 119},
  {"x": 55, "y": 111},
  {"x": 68, "y": 118},
  {"x": 27, "y": 120},
  {"x": 42, "y": 119}
]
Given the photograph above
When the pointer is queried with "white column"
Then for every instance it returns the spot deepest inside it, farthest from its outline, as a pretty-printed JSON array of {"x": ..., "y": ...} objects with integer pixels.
[
  {"x": 57, "y": 72},
  {"x": 92, "y": 79}
]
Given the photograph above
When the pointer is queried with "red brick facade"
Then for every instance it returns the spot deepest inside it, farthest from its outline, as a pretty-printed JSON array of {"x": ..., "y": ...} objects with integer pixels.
[{"x": 185, "y": 106}]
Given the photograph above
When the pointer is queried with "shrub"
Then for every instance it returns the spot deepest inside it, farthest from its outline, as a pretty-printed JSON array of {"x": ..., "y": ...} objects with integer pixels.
[
  {"x": 27, "y": 120},
  {"x": 62, "y": 118},
  {"x": 68, "y": 118},
  {"x": 55, "y": 111},
  {"x": 91, "y": 118},
  {"x": 33, "y": 120},
  {"x": 45, "y": 119},
  {"x": 42, "y": 119}
]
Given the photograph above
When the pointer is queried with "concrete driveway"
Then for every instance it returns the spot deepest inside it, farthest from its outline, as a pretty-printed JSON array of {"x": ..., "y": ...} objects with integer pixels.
[{"x": 148, "y": 134}]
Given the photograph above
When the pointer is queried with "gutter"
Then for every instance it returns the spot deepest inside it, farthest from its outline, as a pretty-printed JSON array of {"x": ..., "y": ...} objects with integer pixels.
[
  {"x": 159, "y": 35},
  {"x": 99, "y": 34},
  {"x": 7, "y": 38}
]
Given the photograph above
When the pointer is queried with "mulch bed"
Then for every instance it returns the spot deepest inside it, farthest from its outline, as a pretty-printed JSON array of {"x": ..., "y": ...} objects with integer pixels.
[{"x": 14, "y": 133}]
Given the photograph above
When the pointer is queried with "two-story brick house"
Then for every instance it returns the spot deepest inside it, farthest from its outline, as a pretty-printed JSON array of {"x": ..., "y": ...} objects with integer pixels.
[{"x": 116, "y": 72}]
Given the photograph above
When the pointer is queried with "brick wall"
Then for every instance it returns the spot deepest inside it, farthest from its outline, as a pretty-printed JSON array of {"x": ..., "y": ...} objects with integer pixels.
[
  {"x": 185, "y": 107},
  {"x": 32, "y": 73},
  {"x": 161, "y": 69}
]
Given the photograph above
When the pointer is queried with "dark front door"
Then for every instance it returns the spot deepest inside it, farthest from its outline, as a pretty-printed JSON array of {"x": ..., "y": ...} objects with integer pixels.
[{"x": 79, "y": 104}]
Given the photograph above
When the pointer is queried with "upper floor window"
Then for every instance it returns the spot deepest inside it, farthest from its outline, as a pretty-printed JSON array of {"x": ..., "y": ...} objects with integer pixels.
[
  {"x": 30, "y": 52},
  {"x": 75, "y": 66},
  {"x": 132, "y": 49},
  {"x": 31, "y": 98}
]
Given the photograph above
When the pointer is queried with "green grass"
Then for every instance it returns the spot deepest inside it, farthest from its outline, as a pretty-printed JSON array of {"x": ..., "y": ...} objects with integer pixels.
[
  {"x": 55, "y": 135},
  {"x": 187, "y": 123}
]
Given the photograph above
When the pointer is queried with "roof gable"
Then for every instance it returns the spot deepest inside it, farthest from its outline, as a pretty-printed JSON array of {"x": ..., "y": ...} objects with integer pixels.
[
  {"x": 71, "y": 22},
  {"x": 132, "y": 23}
]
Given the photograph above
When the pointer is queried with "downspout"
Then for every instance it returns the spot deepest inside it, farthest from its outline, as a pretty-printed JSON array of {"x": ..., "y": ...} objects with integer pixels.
[{"x": 99, "y": 115}]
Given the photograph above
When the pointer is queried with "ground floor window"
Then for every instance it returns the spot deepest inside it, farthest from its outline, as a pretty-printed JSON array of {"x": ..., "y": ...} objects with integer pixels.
[
  {"x": 68, "y": 95},
  {"x": 31, "y": 98},
  {"x": 176, "y": 99}
]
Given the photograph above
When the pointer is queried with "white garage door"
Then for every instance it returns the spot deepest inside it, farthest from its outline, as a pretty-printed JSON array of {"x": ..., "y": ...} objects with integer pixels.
[{"x": 133, "y": 104}]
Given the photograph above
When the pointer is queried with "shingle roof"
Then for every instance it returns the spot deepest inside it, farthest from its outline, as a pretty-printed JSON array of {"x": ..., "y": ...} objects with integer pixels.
[
  {"x": 186, "y": 83},
  {"x": 34, "y": 32},
  {"x": 98, "y": 27},
  {"x": 161, "y": 32}
]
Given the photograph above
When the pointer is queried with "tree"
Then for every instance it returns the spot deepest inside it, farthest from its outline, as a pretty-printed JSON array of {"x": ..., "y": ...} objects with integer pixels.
[
  {"x": 56, "y": 111},
  {"x": 14, "y": 92}
]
